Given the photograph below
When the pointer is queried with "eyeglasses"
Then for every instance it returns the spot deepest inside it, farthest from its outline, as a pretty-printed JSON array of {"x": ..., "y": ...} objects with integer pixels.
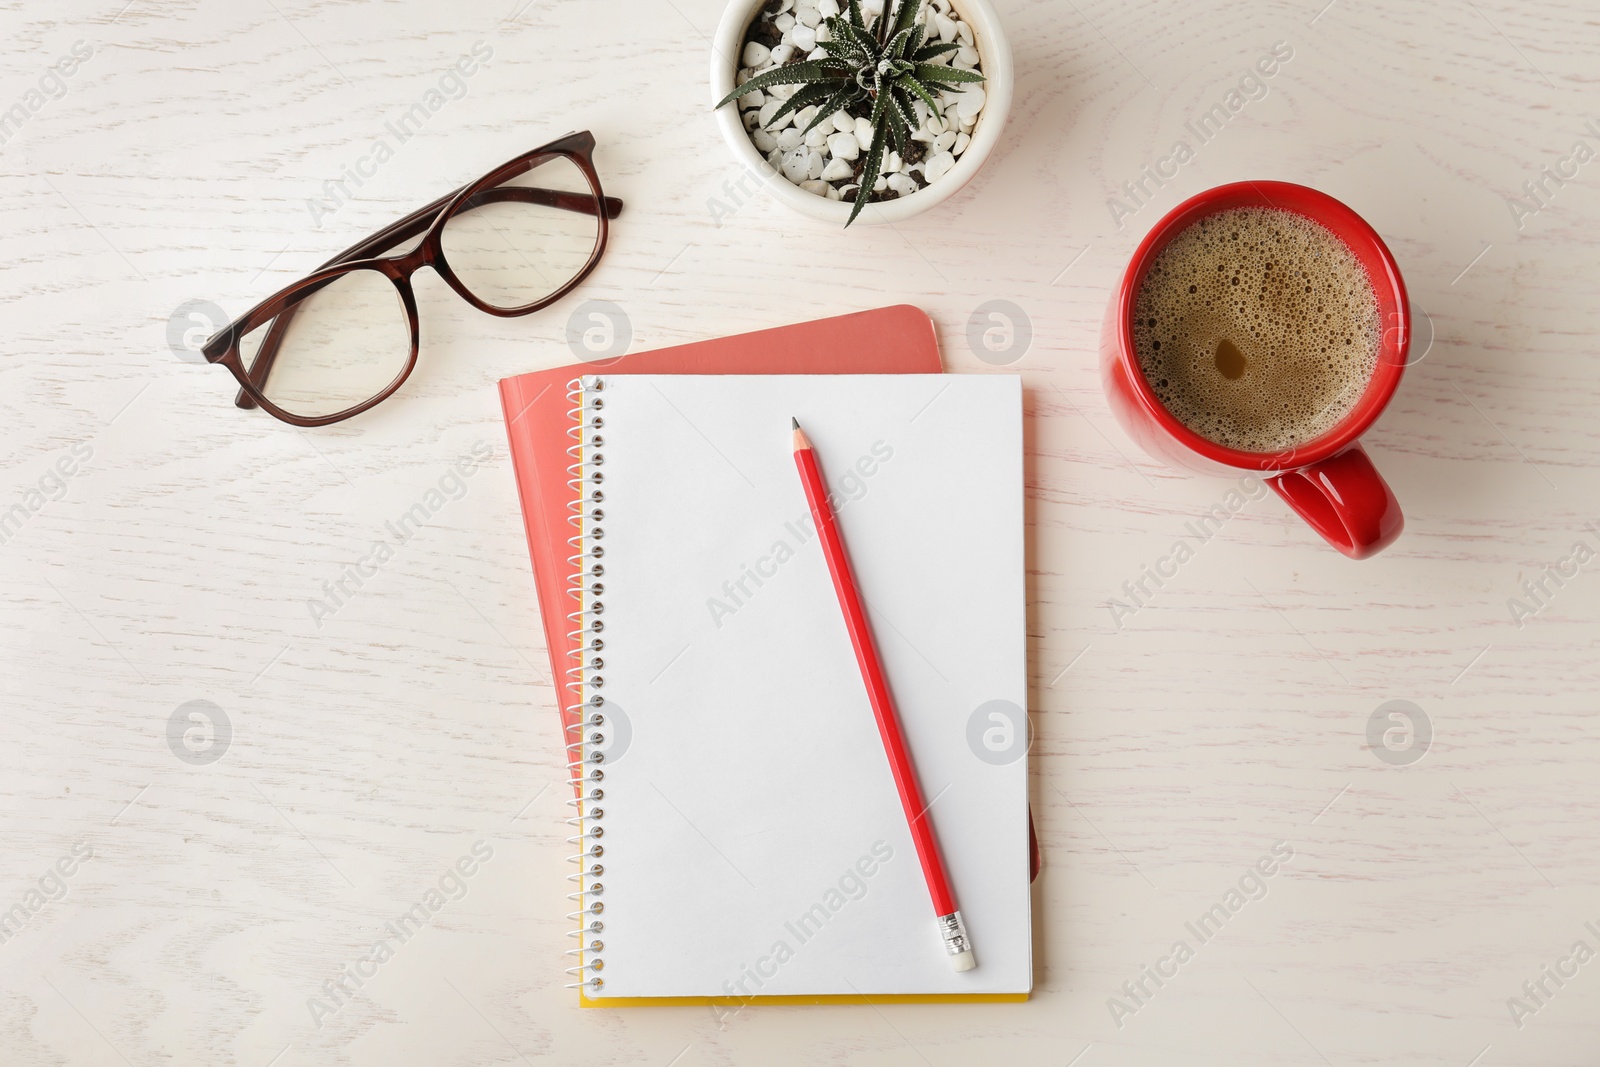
[{"x": 345, "y": 337}]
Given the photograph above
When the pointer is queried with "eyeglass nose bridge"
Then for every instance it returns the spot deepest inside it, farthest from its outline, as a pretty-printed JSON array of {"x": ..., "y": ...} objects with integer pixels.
[
  {"x": 399, "y": 268},
  {"x": 401, "y": 271}
]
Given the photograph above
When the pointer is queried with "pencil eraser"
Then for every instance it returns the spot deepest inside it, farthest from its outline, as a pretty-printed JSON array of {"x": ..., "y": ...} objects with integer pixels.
[{"x": 964, "y": 960}]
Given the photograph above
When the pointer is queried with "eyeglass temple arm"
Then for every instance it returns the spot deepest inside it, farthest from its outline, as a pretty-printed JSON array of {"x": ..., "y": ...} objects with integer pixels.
[{"x": 401, "y": 231}]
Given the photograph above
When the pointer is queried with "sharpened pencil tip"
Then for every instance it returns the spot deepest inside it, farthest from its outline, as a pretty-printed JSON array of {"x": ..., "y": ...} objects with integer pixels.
[{"x": 794, "y": 422}]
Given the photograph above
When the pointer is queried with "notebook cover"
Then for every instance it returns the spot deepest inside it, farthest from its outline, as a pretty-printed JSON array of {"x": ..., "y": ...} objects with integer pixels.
[{"x": 893, "y": 340}]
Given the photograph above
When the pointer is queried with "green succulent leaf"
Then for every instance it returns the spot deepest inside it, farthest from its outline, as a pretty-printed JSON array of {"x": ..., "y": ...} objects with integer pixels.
[
  {"x": 866, "y": 49},
  {"x": 915, "y": 43},
  {"x": 840, "y": 28},
  {"x": 878, "y": 105},
  {"x": 903, "y": 117},
  {"x": 906, "y": 17},
  {"x": 934, "y": 51},
  {"x": 930, "y": 72},
  {"x": 855, "y": 16},
  {"x": 869, "y": 176},
  {"x": 895, "y": 49},
  {"x": 815, "y": 93},
  {"x": 843, "y": 46},
  {"x": 897, "y": 136},
  {"x": 921, "y": 92},
  {"x": 837, "y": 103},
  {"x": 793, "y": 74}
]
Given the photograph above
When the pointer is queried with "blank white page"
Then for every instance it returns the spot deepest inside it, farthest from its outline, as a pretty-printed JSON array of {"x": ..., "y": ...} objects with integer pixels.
[{"x": 754, "y": 842}]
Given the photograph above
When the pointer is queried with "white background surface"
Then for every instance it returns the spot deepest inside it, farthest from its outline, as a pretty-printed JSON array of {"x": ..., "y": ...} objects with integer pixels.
[{"x": 369, "y": 753}]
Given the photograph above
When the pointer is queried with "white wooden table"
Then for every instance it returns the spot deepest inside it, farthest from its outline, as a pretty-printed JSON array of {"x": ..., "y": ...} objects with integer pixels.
[{"x": 363, "y": 757}]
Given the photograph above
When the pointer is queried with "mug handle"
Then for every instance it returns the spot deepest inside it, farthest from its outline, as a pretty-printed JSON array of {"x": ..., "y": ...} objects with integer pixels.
[{"x": 1346, "y": 500}]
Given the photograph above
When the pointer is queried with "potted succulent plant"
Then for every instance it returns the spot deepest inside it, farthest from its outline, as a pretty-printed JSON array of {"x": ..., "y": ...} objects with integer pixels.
[{"x": 842, "y": 103}]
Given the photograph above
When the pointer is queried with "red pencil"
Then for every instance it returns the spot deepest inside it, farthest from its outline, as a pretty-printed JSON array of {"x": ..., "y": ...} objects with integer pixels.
[{"x": 951, "y": 929}]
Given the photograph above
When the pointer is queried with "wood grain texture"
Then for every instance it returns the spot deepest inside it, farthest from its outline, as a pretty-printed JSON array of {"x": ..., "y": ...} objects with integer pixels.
[{"x": 372, "y": 748}]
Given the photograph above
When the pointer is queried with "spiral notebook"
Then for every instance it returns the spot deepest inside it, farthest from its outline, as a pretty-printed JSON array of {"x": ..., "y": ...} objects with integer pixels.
[{"x": 738, "y": 830}]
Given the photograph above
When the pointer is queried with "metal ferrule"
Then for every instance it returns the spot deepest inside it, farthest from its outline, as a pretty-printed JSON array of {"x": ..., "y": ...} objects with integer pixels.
[{"x": 954, "y": 933}]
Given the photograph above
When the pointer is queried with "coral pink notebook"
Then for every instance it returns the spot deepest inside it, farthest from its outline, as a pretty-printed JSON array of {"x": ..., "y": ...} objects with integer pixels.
[{"x": 892, "y": 340}]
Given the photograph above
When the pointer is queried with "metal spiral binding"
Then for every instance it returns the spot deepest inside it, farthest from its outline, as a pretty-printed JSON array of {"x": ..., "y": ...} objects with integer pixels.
[{"x": 584, "y": 706}]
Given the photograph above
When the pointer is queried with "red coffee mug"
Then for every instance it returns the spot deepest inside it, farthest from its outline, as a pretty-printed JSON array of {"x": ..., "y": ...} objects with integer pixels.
[{"x": 1328, "y": 481}]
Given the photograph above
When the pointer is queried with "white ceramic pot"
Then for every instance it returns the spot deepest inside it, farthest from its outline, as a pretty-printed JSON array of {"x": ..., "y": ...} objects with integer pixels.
[{"x": 995, "y": 53}]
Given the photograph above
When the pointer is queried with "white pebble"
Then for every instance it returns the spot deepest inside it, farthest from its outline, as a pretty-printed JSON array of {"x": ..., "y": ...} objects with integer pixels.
[
  {"x": 812, "y": 185},
  {"x": 775, "y": 158},
  {"x": 781, "y": 54},
  {"x": 805, "y": 38},
  {"x": 797, "y": 165},
  {"x": 814, "y": 164},
  {"x": 903, "y": 184},
  {"x": 809, "y": 17},
  {"x": 946, "y": 28},
  {"x": 803, "y": 117},
  {"x": 754, "y": 98},
  {"x": 745, "y": 74},
  {"x": 964, "y": 32},
  {"x": 817, "y": 138},
  {"x": 790, "y": 138},
  {"x": 967, "y": 122},
  {"x": 784, "y": 22},
  {"x": 938, "y": 165},
  {"x": 843, "y": 122},
  {"x": 833, "y": 194},
  {"x": 924, "y": 136},
  {"x": 864, "y": 134},
  {"x": 769, "y": 109},
  {"x": 962, "y": 140},
  {"x": 844, "y": 146},
  {"x": 970, "y": 104},
  {"x": 944, "y": 140},
  {"x": 756, "y": 54},
  {"x": 881, "y": 184},
  {"x": 782, "y": 92},
  {"x": 871, "y": 7},
  {"x": 966, "y": 58},
  {"x": 823, "y": 34},
  {"x": 828, "y": 8},
  {"x": 935, "y": 125},
  {"x": 837, "y": 168},
  {"x": 892, "y": 163},
  {"x": 763, "y": 140},
  {"x": 817, "y": 53}
]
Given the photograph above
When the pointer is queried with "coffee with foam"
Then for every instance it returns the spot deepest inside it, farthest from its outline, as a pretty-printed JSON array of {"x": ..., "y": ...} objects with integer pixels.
[{"x": 1257, "y": 328}]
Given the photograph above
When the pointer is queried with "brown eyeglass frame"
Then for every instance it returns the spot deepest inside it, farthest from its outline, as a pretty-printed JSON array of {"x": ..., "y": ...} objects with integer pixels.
[{"x": 430, "y": 220}]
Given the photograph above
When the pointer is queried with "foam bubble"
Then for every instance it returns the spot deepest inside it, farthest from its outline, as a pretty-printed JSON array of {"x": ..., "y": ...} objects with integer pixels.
[{"x": 1278, "y": 288}]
